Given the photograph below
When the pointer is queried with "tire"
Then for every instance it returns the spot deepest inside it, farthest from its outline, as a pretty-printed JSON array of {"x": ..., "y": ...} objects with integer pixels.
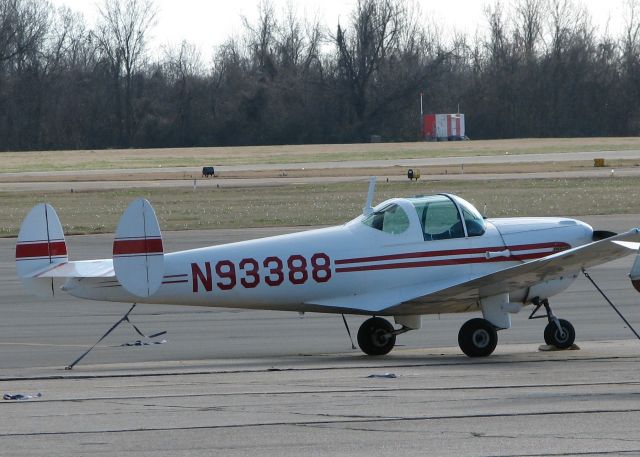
[
  {"x": 375, "y": 336},
  {"x": 478, "y": 338},
  {"x": 553, "y": 337}
]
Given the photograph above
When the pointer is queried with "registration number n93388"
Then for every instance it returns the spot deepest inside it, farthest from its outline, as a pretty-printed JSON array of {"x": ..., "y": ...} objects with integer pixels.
[{"x": 272, "y": 271}]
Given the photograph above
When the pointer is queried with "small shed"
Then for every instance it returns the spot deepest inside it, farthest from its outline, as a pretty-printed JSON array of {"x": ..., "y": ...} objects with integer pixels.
[{"x": 443, "y": 127}]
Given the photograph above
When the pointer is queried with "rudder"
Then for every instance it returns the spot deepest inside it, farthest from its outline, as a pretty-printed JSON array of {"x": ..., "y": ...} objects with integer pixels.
[
  {"x": 138, "y": 254},
  {"x": 40, "y": 247}
]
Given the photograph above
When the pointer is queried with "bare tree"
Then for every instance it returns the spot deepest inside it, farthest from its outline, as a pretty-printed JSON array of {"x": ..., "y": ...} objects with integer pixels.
[
  {"x": 122, "y": 37},
  {"x": 631, "y": 37},
  {"x": 260, "y": 38},
  {"x": 375, "y": 33},
  {"x": 539, "y": 70},
  {"x": 630, "y": 63},
  {"x": 184, "y": 70},
  {"x": 23, "y": 25},
  {"x": 529, "y": 17}
]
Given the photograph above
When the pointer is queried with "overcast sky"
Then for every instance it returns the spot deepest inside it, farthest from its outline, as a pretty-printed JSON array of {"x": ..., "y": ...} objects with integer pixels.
[{"x": 207, "y": 23}]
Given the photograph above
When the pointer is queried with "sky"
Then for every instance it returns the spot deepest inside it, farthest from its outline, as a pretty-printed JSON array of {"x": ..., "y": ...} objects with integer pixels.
[{"x": 207, "y": 23}]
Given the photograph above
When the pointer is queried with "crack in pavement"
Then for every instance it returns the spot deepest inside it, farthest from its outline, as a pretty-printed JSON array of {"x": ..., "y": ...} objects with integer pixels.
[{"x": 320, "y": 422}]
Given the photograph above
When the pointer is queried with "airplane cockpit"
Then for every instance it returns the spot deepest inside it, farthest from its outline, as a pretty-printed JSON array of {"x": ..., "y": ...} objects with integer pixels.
[{"x": 441, "y": 217}]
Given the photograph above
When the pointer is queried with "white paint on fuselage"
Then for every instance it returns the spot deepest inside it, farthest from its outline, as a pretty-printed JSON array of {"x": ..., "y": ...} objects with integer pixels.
[{"x": 363, "y": 260}]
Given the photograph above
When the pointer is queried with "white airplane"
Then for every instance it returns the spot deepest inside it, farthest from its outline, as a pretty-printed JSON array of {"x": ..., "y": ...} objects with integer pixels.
[{"x": 405, "y": 258}]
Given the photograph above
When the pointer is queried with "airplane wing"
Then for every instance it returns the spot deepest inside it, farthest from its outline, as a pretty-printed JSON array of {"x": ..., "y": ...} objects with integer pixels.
[{"x": 454, "y": 297}]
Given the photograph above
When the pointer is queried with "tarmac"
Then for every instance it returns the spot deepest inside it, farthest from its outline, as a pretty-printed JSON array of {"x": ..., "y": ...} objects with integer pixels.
[
  {"x": 247, "y": 383},
  {"x": 457, "y": 172}
]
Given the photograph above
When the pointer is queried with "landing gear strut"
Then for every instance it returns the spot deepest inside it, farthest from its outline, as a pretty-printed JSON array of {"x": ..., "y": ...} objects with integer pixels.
[{"x": 558, "y": 332}]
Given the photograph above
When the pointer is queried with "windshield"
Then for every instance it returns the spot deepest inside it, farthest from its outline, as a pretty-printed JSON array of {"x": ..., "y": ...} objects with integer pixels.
[
  {"x": 439, "y": 217},
  {"x": 390, "y": 219},
  {"x": 474, "y": 221}
]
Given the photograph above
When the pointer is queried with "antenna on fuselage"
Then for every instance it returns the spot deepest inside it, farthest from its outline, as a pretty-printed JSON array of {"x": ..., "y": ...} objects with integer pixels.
[{"x": 368, "y": 209}]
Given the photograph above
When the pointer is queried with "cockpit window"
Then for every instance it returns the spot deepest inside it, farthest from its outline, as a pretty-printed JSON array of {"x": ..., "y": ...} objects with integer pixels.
[
  {"x": 475, "y": 225},
  {"x": 474, "y": 221},
  {"x": 439, "y": 217},
  {"x": 390, "y": 219}
]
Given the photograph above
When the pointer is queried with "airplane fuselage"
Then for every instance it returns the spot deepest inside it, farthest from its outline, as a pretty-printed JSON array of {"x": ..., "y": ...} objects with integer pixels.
[{"x": 313, "y": 269}]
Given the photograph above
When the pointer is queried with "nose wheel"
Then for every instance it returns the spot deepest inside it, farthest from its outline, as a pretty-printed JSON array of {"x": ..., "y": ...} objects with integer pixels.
[{"x": 558, "y": 332}]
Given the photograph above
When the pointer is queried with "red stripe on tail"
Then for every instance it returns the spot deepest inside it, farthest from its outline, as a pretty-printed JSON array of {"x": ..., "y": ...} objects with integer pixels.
[
  {"x": 41, "y": 249},
  {"x": 138, "y": 247}
]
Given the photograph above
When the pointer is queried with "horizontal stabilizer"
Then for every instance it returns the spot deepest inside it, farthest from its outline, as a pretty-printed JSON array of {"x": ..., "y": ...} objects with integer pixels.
[
  {"x": 138, "y": 253},
  {"x": 102, "y": 268}
]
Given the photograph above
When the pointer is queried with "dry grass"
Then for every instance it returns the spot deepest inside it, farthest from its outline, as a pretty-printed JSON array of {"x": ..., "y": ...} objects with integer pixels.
[
  {"x": 184, "y": 209},
  {"x": 197, "y": 157},
  {"x": 181, "y": 208}
]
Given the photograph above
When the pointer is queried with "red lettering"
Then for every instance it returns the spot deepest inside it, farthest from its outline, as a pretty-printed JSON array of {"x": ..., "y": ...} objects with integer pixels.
[
  {"x": 225, "y": 269},
  {"x": 252, "y": 272},
  {"x": 276, "y": 276},
  {"x": 297, "y": 273},
  {"x": 321, "y": 264},
  {"x": 197, "y": 274}
]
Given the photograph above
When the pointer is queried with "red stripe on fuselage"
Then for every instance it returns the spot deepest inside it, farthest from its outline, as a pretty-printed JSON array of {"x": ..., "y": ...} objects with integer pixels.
[
  {"x": 41, "y": 249},
  {"x": 138, "y": 247},
  {"x": 558, "y": 246},
  {"x": 434, "y": 263}
]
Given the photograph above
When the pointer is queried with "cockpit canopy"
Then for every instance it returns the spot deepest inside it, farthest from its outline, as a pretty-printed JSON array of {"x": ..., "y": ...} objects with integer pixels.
[{"x": 441, "y": 217}]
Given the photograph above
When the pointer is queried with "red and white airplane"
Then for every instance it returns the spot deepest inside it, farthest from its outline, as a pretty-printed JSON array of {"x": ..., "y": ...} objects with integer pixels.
[{"x": 403, "y": 258}]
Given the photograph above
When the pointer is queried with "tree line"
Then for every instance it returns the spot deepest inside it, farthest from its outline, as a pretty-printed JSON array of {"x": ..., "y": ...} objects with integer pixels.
[{"x": 541, "y": 70}]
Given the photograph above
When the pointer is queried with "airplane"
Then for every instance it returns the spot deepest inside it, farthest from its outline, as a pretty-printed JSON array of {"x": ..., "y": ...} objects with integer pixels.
[{"x": 404, "y": 258}]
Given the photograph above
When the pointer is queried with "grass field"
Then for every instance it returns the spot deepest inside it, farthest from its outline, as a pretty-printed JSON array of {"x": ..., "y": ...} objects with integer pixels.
[
  {"x": 182, "y": 208},
  {"x": 216, "y": 156},
  {"x": 308, "y": 205}
]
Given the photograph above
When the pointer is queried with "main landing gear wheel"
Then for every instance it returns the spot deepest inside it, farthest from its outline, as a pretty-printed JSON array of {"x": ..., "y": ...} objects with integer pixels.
[
  {"x": 562, "y": 337},
  {"x": 478, "y": 338},
  {"x": 376, "y": 337}
]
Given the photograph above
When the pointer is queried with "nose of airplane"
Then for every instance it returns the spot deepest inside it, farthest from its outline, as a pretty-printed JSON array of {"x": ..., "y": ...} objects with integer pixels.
[
  {"x": 587, "y": 230},
  {"x": 577, "y": 232}
]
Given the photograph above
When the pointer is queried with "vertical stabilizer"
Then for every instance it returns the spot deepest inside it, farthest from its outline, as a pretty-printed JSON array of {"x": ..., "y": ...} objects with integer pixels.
[
  {"x": 138, "y": 254},
  {"x": 40, "y": 248}
]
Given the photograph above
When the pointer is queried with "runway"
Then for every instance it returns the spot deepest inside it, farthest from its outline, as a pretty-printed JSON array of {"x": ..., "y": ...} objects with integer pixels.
[
  {"x": 630, "y": 154},
  {"x": 241, "y": 383},
  {"x": 87, "y": 184}
]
